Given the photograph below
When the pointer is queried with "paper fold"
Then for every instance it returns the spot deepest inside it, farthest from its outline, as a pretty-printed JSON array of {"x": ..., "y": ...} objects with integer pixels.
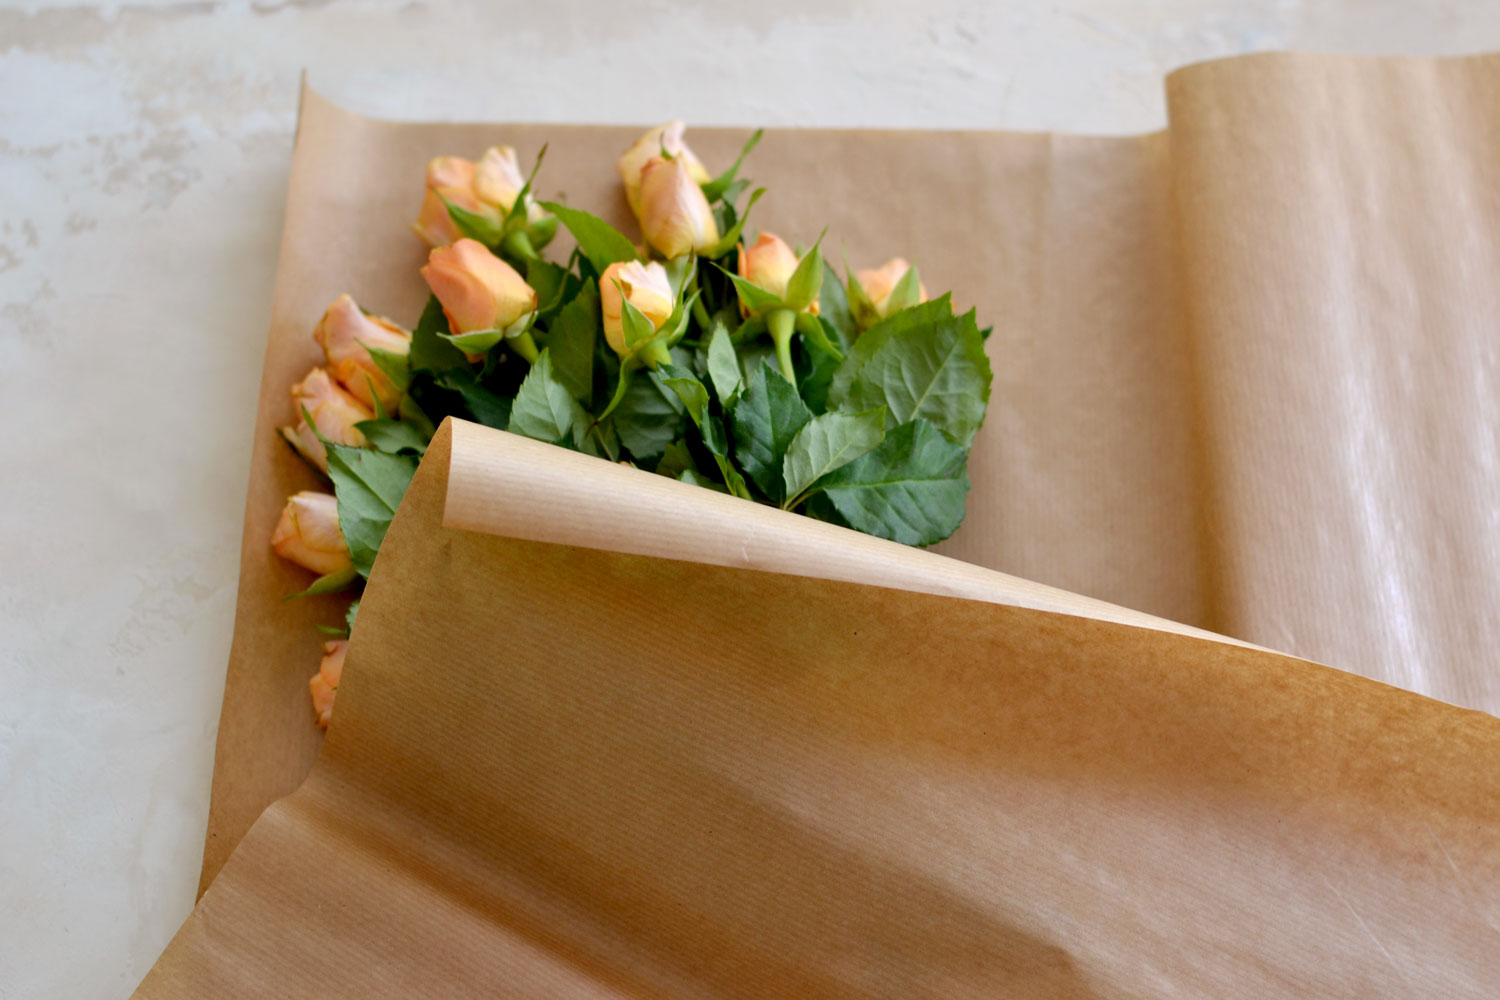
[{"x": 561, "y": 771}]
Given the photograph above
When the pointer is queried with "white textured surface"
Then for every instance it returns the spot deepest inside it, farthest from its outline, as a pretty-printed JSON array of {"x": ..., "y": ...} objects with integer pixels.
[{"x": 143, "y": 151}]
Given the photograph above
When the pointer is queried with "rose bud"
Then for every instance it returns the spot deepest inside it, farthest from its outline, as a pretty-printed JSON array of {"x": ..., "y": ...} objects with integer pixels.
[
  {"x": 324, "y": 684},
  {"x": 435, "y": 225},
  {"x": 878, "y": 283},
  {"x": 498, "y": 179},
  {"x": 632, "y": 163},
  {"x": 674, "y": 214},
  {"x": 308, "y": 533},
  {"x": 450, "y": 171},
  {"x": 478, "y": 290},
  {"x": 347, "y": 334},
  {"x": 770, "y": 264},
  {"x": 334, "y": 412},
  {"x": 646, "y": 286}
]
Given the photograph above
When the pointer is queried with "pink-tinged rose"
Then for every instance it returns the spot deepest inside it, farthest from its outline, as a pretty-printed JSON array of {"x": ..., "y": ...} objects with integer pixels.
[
  {"x": 498, "y": 179},
  {"x": 646, "y": 286},
  {"x": 308, "y": 533},
  {"x": 879, "y": 282},
  {"x": 478, "y": 290},
  {"x": 674, "y": 214},
  {"x": 324, "y": 684},
  {"x": 668, "y": 138},
  {"x": 334, "y": 413},
  {"x": 450, "y": 172},
  {"x": 347, "y": 335}
]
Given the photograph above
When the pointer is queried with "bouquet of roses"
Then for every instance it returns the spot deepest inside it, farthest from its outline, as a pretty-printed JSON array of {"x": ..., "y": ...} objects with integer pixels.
[{"x": 744, "y": 367}]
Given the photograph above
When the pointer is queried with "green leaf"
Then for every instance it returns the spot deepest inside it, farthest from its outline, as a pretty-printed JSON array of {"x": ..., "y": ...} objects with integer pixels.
[
  {"x": 396, "y": 367},
  {"x": 475, "y": 226},
  {"x": 833, "y": 306},
  {"x": 544, "y": 408},
  {"x": 717, "y": 187},
  {"x": 412, "y": 414},
  {"x": 755, "y": 298},
  {"x": 694, "y": 396},
  {"x": 599, "y": 440},
  {"x": 925, "y": 315},
  {"x": 829, "y": 441},
  {"x": 600, "y": 242},
  {"x": 728, "y": 240},
  {"x": 696, "y": 478},
  {"x": 349, "y": 616},
  {"x": 649, "y": 417},
  {"x": 393, "y": 436},
  {"x": 550, "y": 283},
  {"x": 765, "y": 420},
  {"x": 911, "y": 489},
  {"x": 484, "y": 406},
  {"x": 732, "y": 479},
  {"x": 676, "y": 460},
  {"x": 938, "y": 372},
  {"x": 723, "y": 365},
  {"x": 429, "y": 351},
  {"x": 802, "y": 287},
  {"x": 812, "y": 329},
  {"x": 571, "y": 338},
  {"x": 369, "y": 486}
]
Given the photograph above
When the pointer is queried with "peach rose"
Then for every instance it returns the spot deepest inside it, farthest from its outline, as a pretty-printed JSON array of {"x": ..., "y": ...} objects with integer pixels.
[
  {"x": 308, "y": 533},
  {"x": 334, "y": 413},
  {"x": 478, "y": 290},
  {"x": 674, "y": 214},
  {"x": 769, "y": 263},
  {"x": 632, "y": 163},
  {"x": 347, "y": 335},
  {"x": 879, "y": 282},
  {"x": 646, "y": 286},
  {"x": 324, "y": 684}
]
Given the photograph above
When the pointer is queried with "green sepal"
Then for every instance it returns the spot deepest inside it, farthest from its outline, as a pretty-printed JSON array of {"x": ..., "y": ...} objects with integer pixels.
[
  {"x": 638, "y": 328},
  {"x": 475, "y": 226},
  {"x": 907, "y": 293},
  {"x": 802, "y": 287},
  {"x": 811, "y": 328},
  {"x": 396, "y": 367},
  {"x": 716, "y": 188},
  {"x": 728, "y": 240},
  {"x": 755, "y": 298},
  {"x": 328, "y": 583}
]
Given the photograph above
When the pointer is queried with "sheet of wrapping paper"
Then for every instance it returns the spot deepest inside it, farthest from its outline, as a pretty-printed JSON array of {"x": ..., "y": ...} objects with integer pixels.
[
  {"x": 1245, "y": 368},
  {"x": 562, "y": 771}
]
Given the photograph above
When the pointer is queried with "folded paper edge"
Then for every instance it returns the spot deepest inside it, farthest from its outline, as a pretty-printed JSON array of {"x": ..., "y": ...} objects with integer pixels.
[{"x": 504, "y": 484}]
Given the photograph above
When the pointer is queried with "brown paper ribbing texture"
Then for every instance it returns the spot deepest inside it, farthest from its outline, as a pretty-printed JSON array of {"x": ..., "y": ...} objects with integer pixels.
[
  {"x": 559, "y": 771},
  {"x": 1246, "y": 369}
]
